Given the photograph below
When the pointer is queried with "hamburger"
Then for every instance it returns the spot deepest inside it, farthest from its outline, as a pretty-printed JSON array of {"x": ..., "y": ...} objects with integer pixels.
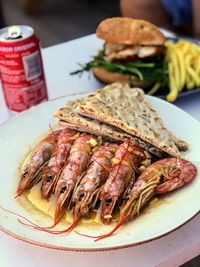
[{"x": 133, "y": 52}]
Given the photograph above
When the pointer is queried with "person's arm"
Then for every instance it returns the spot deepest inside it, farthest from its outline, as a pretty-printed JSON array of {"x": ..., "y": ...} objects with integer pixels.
[
  {"x": 151, "y": 10},
  {"x": 196, "y": 17}
]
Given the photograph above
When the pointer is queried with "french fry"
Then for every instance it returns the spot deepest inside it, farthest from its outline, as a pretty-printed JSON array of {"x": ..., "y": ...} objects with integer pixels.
[
  {"x": 196, "y": 47},
  {"x": 186, "y": 47},
  {"x": 191, "y": 72},
  {"x": 183, "y": 60},
  {"x": 182, "y": 73},
  {"x": 182, "y": 69},
  {"x": 198, "y": 66},
  {"x": 176, "y": 72},
  {"x": 172, "y": 86}
]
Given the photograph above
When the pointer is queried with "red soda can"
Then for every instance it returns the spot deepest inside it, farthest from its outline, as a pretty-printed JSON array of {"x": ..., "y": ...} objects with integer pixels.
[{"x": 21, "y": 68}]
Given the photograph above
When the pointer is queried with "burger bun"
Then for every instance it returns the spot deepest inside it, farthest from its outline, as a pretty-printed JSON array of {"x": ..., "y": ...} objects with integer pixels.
[{"x": 110, "y": 77}]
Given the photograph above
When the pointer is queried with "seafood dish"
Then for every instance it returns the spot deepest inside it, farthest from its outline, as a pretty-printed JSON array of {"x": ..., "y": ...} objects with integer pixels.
[{"x": 110, "y": 154}]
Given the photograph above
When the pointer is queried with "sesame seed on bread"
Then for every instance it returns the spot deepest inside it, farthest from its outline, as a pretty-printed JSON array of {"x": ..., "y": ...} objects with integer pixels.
[{"x": 122, "y": 30}]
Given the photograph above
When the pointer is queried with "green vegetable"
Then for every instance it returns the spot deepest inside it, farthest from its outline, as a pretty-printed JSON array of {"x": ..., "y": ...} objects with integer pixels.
[{"x": 152, "y": 69}]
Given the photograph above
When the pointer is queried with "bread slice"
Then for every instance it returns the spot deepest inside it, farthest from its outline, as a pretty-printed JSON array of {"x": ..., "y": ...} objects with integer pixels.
[
  {"x": 128, "y": 109},
  {"x": 72, "y": 119},
  {"x": 68, "y": 117},
  {"x": 122, "y": 30}
]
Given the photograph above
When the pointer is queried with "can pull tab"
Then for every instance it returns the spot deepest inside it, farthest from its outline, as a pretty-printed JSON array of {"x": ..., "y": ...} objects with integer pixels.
[{"x": 14, "y": 32}]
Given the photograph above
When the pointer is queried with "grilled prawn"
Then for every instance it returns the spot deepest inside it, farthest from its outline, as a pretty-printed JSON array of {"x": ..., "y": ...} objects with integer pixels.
[
  {"x": 77, "y": 163},
  {"x": 87, "y": 192},
  {"x": 51, "y": 172},
  {"x": 125, "y": 163},
  {"x": 160, "y": 177},
  {"x": 39, "y": 157}
]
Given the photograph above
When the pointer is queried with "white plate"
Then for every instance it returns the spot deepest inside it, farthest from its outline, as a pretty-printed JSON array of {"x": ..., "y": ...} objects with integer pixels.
[{"x": 19, "y": 134}]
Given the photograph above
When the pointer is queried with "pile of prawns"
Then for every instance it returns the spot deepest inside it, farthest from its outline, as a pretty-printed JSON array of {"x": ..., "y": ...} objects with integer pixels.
[{"x": 84, "y": 172}]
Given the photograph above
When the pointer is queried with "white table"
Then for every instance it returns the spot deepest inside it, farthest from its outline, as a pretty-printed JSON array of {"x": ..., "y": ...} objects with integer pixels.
[{"x": 171, "y": 250}]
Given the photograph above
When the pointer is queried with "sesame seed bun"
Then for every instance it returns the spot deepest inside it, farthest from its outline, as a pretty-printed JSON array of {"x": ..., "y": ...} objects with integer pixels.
[{"x": 122, "y": 30}]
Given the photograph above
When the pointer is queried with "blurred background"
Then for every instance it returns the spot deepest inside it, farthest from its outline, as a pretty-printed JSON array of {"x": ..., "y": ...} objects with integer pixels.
[{"x": 56, "y": 21}]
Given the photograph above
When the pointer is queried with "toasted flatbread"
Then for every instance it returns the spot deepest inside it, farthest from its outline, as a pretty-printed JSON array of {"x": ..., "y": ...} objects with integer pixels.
[
  {"x": 85, "y": 130},
  {"x": 68, "y": 117},
  {"x": 128, "y": 109}
]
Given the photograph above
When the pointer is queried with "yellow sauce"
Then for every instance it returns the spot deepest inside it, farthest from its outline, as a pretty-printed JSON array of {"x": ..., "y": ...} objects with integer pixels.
[
  {"x": 155, "y": 202},
  {"x": 35, "y": 198},
  {"x": 45, "y": 209}
]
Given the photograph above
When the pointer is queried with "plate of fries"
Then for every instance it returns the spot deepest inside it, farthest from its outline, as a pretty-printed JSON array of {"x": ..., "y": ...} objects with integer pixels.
[
  {"x": 183, "y": 63},
  {"x": 183, "y": 57}
]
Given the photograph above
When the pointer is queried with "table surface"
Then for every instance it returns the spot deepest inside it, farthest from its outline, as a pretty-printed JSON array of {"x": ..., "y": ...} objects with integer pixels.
[{"x": 171, "y": 250}]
